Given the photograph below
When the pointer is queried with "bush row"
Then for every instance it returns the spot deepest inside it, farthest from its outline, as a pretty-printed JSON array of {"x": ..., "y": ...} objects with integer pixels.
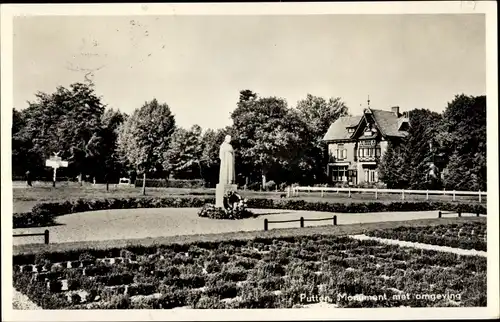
[
  {"x": 171, "y": 183},
  {"x": 43, "y": 214}
]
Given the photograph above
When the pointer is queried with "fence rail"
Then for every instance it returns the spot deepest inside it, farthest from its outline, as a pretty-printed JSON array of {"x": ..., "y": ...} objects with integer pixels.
[
  {"x": 45, "y": 234},
  {"x": 301, "y": 220},
  {"x": 294, "y": 191}
]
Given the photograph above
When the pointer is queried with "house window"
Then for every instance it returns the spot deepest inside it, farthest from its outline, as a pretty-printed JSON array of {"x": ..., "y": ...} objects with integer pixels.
[
  {"x": 341, "y": 152},
  {"x": 339, "y": 173},
  {"x": 350, "y": 130}
]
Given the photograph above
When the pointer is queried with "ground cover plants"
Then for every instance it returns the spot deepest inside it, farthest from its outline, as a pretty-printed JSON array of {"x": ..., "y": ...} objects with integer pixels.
[
  {"x": 281, "y": 272},
  {"x": 465, "y": 235}
]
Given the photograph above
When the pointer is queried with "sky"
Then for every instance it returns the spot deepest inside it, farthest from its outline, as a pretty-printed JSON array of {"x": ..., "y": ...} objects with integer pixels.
[{"x": 199, "y": 64}]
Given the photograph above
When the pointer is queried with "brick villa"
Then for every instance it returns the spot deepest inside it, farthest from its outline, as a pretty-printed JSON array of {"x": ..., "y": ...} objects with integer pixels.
[{"x": 356, "y": 143}]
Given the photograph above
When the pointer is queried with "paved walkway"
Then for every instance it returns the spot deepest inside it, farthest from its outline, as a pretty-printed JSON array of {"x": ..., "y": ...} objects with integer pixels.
[
  {"x": 402, "y": 243},
  {"x": 157, "y": 222}
]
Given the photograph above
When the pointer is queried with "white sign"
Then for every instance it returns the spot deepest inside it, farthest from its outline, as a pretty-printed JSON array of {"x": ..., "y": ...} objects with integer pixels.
[{"x": 56, "y": 163}]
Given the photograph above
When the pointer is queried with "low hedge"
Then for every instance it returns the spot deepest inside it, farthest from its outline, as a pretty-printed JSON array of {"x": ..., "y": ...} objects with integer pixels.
[
  {"x": 171, "y": 183},
  {"x": 43, "y": 214}
]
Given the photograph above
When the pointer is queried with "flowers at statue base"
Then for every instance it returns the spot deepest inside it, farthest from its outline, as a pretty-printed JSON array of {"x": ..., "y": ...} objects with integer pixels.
[{"x": 235, "y": 207}]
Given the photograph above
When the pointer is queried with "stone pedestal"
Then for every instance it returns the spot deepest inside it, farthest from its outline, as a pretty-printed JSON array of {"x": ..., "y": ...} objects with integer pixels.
[{"x": 220, "y": 191}]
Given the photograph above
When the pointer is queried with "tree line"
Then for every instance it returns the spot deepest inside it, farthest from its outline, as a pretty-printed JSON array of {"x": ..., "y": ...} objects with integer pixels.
[
  {"x": 454, "y": 142},
  {"x": 274, "y": 143}
]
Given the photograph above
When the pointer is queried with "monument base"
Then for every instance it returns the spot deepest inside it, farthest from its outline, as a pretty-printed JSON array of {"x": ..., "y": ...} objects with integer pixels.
[{"x": 220, "y": 191}]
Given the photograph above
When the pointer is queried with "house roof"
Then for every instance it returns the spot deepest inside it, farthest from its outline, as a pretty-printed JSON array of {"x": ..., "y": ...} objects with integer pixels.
[
  {"x": 338, "y": 129},
  {"x": 386, "y": 121}
]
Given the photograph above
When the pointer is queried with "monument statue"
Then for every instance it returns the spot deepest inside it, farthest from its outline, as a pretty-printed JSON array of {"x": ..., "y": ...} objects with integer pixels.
[
  {"x": 226, "y": 155},
  {"x": 227, "y": 177}
]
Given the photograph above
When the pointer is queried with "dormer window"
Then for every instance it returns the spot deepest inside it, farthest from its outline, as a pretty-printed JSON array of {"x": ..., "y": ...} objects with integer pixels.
[{"x": 351, "y": 130}]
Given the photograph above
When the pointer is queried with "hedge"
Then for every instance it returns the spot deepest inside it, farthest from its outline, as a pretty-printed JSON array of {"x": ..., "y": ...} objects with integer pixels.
[
  {"x": 171, "y": 183},
  {"x": 43, "y": 214}
]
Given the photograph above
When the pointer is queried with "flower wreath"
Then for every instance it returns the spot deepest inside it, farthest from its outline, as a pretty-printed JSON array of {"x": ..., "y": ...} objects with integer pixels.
[{"x": 233, "y": 200}]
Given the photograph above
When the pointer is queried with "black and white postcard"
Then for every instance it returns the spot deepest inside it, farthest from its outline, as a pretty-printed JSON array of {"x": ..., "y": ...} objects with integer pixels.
[{"x": 249, "y": 161}]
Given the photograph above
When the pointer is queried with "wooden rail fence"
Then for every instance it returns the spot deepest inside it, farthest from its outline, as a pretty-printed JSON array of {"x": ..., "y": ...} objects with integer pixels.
[
  {"x": 301, "y": 220},
  {"x": 45, "y": 234},
  {"x": 294, "y": 192}
]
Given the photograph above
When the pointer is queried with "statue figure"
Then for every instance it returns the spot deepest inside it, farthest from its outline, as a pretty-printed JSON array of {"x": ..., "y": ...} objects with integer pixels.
[{"x": 226, "y": 155}]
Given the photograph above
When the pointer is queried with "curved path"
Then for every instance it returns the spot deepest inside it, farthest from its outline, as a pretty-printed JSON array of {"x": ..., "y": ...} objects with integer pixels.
[{"x": 158, "y": 222}]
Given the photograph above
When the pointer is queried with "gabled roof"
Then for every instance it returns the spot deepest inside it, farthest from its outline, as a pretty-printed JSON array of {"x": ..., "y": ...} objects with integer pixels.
[
  {"x": 338, "y": 129},
  {"x": 386, "y": 121}
]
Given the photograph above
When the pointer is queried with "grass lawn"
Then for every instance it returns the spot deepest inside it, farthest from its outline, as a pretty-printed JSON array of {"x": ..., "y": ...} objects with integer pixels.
[{"x": 25, "y": 198}]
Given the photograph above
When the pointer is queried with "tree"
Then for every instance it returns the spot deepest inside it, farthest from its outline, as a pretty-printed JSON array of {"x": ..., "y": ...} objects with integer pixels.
[
  {"x": 406, "y": 164},
  {"x": 63, "y": 121},
  {"x": 319, "y": 114},
  {"x": 268, "y": 136},
  {"x": 210, "y": 163},
  {"x": 463, "y": 140},
  {"x": 145, "y": 136},
  {"x": 183, "y": 157}
]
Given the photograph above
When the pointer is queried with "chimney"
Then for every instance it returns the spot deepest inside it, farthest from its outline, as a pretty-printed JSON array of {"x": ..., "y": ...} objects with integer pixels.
[{"x": 395, "y": 110}]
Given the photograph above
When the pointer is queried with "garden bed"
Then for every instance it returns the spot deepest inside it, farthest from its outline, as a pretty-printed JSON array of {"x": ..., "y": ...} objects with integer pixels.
[
  {"x": 465, "y": 235},
  {"x": 259, "y": 273}
]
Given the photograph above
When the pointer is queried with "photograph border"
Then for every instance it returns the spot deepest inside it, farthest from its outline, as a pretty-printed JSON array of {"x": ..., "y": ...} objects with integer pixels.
[{"x": 9, "y": 11}]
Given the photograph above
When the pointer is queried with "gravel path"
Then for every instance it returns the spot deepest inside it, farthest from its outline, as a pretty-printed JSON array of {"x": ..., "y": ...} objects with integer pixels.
[
  {"x": 160, "y": 222},
  {"x": 459, "y": 251},
  {"x": 22, "y": 302}
]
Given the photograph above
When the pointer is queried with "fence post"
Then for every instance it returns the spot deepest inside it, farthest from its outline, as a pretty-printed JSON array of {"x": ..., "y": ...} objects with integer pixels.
[
  {"x": 46, "y": 236},
  {"x": 439, "y": 214},
  {"x": 479, "y": 195},
  {"x": 265, "y": 224},
  {"x": 349, "y": 192},
  {"x": 402, "y": 194},
  {"x": 427, "y": 194},
  {"x": 335, "y": 220},
  {"x": 322, "y": 193},
  {"x": 301, "y": 222},
  {"x": 459, "y": 214},
  {"x": 376, "y": 193},
  {"x": 454, "y": 195}
]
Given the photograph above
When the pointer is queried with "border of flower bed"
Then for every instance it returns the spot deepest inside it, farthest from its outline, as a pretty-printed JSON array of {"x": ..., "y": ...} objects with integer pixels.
[{"x": 44, "y": 214}]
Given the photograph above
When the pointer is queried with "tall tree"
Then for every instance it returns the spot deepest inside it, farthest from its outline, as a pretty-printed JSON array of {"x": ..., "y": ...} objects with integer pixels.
[
  {"x": 211, "y": 141},
  {"x": 63, "y": 121},
  {"x": 268, "y": 135},
  {"x": 319, "y": 113},
  {"x": 463, "y": 138},
  {"x": 392, "y": 169},
  {"x": 145, "y": 136},
  {"x": 183, "y": 157},
  {"x": 406, "y": 164}
]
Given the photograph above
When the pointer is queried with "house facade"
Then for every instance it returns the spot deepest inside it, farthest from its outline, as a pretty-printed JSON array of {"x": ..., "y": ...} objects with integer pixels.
[{"x": 357, "y": 143}]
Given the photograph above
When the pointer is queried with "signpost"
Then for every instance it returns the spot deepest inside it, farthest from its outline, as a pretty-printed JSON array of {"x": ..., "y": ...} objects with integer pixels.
[{"x": 55, "y": 162}]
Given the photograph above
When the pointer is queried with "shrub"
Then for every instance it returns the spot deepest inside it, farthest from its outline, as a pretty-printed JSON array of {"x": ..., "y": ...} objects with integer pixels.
[
  {"x": 119, "y": 302},
  {"x": 171, "y": 183},
  {"x": 270, "y": 185}
]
